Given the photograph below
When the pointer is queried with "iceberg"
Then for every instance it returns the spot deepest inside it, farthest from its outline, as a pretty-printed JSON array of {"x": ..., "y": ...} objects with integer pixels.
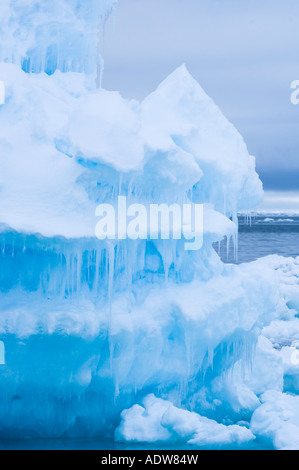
[
  {"x": 93, "y": 327},
  {"x": 42, "y": 36}
]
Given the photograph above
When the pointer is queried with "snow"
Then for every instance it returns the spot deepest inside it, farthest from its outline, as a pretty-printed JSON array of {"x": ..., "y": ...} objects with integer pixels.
[
  {"x": 159, "y": 421},
  {"x": 282, "y": 332},
  {"x": 103, "y": 123},
  {"x": 230, "y": 190},
  {"x": 277, "y": 419},
  {"x": 86, "y": 146},
  {"x": 266, "y": 372}
]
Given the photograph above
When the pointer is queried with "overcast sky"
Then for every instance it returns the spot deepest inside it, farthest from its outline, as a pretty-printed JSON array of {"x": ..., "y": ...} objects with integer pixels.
[{"x": 244, "y": 53}]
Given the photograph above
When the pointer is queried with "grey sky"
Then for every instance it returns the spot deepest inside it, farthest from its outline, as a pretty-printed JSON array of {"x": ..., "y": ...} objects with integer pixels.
[{"x": 245, "y": 54}]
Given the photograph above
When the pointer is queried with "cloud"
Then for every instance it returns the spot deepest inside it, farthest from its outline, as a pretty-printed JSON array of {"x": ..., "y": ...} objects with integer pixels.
[{"x": 244, "y": 54}]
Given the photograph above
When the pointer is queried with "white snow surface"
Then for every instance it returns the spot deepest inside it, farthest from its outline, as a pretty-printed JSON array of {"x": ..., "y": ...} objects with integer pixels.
[
  {"x": 85, "y": 146},
  {"x": 159, "y": 421},
  {"x": 278, "y": 420}
]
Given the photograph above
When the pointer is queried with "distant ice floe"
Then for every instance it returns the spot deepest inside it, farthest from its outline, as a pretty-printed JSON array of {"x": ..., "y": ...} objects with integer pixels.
[{"x": 279, "y": 203}]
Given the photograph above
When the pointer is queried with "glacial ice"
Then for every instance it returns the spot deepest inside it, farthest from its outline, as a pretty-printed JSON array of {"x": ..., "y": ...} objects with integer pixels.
[
  {"x": 262, "y": 395},
  {"x": 93, "y": 327},
  {"x": 43, "y": 36},
  {"x": 277, "y": 419},
  {"x": 159, "y": 421}
]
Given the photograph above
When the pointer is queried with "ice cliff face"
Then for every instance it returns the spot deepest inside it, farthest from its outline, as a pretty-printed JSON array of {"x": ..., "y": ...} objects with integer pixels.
[
  {"x": 90, "y": 327},
  {"x": 43, "y": 36}
]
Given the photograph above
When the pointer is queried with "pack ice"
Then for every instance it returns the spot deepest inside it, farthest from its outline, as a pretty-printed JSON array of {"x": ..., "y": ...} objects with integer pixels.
[{"x": 193, "y": 350}]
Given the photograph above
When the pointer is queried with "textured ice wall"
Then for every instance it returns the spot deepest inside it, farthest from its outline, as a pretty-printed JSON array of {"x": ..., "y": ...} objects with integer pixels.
[
  {"x": 73, "y": 364},
  {"x": 43, "y": 35}
]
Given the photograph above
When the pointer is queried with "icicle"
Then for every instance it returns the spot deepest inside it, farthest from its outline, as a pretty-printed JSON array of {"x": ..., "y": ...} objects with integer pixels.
[
  {"x": 188, "y": 353},
  {"x": 210, "y": 356},
  {"x": 88, "y": 267},
  {"x": 227, "y": 246},
  {"x": 116, "y": 391},
  {"x": 111, "y": 260},
  {"x": 67, "y": 256},
  {"x": 225, "y": 202},
  {"x": 236, "y": 235},
  {"x": 120, "y": 184},
  {"x": 139, "y": 255},
  {"x": 166, "y": 257},
  {"x": 79, "y": 269},
  {"x": 98, "y": 255},
  {"x": 129, "y": 265},
  {"x": 71, "y": 274},
  {"x": 101, "y": 39},
  {"x": 174, "y": 256}
]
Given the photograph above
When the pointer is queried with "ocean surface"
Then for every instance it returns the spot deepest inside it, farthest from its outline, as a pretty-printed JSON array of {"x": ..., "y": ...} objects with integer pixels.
[
  {"x": 261, "y": 236},
  {"x": 110, "y": 445}
]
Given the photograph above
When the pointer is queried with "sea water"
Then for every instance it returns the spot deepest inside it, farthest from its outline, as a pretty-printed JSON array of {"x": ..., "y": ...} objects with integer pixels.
[
  {"x": 263, "y": 235},
  {"x": 109, "y": 444}
]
